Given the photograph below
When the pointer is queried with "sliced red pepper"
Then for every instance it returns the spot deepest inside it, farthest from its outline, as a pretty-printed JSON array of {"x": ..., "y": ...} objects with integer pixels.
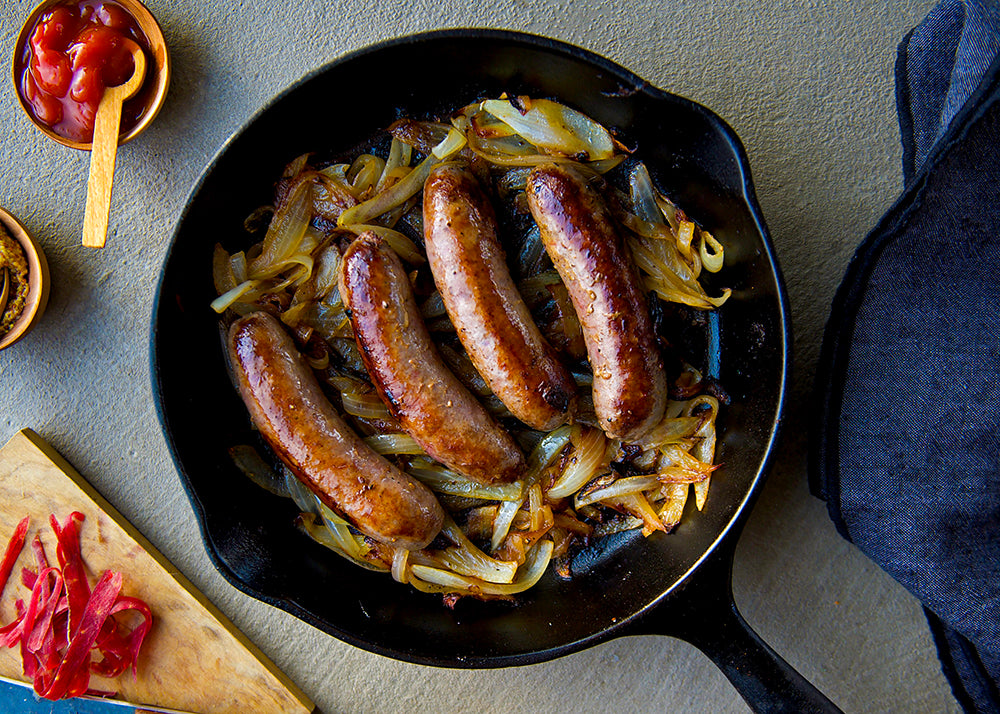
[
  {"x": 71, "y": 562},
  {"x": 65, "y": 621},
  {"x": 41, "y": 559},
  {"x": 102, "y": 601},
  {"x": 47, "y": 602},
  {"x": 138, "y": 634},
  {"x": 14, "y": 547}
]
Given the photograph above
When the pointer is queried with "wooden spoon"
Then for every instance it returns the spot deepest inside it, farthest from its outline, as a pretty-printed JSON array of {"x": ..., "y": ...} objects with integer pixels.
[
  {"x": 5, "y": 291},
  {"x": 104, "y": 150}
]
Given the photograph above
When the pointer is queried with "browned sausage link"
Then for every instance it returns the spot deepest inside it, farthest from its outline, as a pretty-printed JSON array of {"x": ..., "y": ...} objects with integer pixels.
[
  {"x": 492, "y": 321},
  {"x": 590, "y": 254},
  {"x": 297, "y": 420},
  {"x": 420, "y": 391}
]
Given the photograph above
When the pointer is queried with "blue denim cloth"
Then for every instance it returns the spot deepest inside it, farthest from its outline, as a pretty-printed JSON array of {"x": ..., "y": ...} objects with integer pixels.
[{"x": 907, "y": 449}]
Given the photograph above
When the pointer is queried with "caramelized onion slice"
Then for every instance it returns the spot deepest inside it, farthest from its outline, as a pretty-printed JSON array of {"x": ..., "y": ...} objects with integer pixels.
[{"x": 555, "y": 128}]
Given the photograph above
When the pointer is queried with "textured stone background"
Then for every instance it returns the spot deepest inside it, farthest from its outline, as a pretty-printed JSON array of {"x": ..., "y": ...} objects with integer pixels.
[{"x": 806, "y": 84}]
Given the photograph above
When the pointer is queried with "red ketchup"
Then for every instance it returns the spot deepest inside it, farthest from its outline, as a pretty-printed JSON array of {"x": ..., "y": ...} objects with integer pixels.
[{"x": 74, "y": 51}]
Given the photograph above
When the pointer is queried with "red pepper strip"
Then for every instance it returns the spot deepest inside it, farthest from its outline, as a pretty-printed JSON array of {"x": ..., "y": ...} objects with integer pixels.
[
  {"x": 80, "y": 681},
  {"x": 14, "y": 547},
  {"x": 40, "y": 558},
  {"x": 138, "y": 634},
  {"x": 28, "y": 659},
  {"x": 48, "y": 603},
  {"x": 71, "y": 561},
  {"x": 112, "y": 645},
  {"x": 77, "y": 657},
  {"x": 110, "y": 667},
  {"x": 10, "y": 634},
  {"x": 28, "y": 578}
]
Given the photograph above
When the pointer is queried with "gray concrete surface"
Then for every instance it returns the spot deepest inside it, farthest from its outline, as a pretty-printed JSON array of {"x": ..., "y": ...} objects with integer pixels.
[{"x": 807, "y": 85}]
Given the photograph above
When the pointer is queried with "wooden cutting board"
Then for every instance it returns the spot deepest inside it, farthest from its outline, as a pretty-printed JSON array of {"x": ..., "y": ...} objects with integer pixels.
[{"x": 194, "y": 659}]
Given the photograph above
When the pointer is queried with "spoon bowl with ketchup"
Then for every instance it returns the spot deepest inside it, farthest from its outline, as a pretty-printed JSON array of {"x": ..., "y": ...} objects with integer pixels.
[{"x": 70, "y": 51}]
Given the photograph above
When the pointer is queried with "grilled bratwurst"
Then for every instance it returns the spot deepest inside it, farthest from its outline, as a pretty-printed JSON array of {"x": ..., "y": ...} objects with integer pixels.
[
  {"x": 590, "y": 255},
  {"x": 297, "y": 420},
  {"x": 418, "y": 388},
  {"x": 491, "y": 319}
]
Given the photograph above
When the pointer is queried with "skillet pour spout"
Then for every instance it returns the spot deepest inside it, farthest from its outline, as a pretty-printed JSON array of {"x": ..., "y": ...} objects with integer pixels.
[{"x": 693, "y": 157}]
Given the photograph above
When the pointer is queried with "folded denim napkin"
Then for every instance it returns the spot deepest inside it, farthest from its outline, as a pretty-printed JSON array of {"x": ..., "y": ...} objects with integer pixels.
[{"x": 907, "y": 446}]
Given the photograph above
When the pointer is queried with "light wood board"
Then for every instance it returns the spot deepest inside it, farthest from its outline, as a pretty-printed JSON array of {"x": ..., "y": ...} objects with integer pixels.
[{"x": 194, "y": 659}]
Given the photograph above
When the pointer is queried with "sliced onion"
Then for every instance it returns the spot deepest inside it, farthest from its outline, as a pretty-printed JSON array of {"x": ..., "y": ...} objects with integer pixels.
[
  {"x": 555, "y": 128},
  {"x": 441, "y": 580},
  {"x": 442, "y": 480},
  {"x": 461, "y": 364},
  {"x": 644, "y": 195},
  {"x": 540, "y": 458},
  {"x": 366, "y": 406},
  {"x": 238, "y": 264},
  {"x": 535, "y": 290},
  {"x": 704, "y": 450},
  {"x": 509, "y": 152},
  {"x": 327, "y": 271},
  {"x": 286, "y": 230},
  {"x": 667, "y": 284},
  {"x": 452, "y": 144},
  {"x": 338, "y": 538},
  {"x": 364, "y": 174},
  {"x": 672, "y": 509},
  {"x": 222, "y": 272},
  {"x": 404, "y": 247},
  {"x": 303, "y": 497},
  {"x": 638, "y": 505},
  {"x": 515, "y": 179},
  {"x": 605, "y": 165},
  {"x": 619, "y": 523},
  {"x": 618, "y": 488},
  {"x": 584, "y": 461},
  {"x": 394, "y": 444},
  {"x": 711, "y": 251},
  {"x": 685, "y": 236},
  {"x": 530, "y": 256},
  {"x": 546, "y": 452},
  {"x": 670, "y": 431},
  {"x": 501, "y": 524},
  {"x": 403, "y": 190},
  {"x": 400, "y": 155},
  {"x": 226, "y": 300},
  {"x": 400, "y": 565},
  {"x": 467, "y": 559}
]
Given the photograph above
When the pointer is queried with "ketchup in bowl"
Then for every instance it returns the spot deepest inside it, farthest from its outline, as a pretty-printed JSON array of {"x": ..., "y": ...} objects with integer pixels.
[{"x": 74, "y": 51}]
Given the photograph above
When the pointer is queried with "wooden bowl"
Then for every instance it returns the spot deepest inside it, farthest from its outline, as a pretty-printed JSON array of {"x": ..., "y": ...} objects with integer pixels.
[
  {"x": 38, "y": 280},
  {"x": 157, "y": 61}
]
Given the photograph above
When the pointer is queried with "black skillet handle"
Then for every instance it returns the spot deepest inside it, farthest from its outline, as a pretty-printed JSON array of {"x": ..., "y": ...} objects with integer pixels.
[{"x": 704, "y": 614}]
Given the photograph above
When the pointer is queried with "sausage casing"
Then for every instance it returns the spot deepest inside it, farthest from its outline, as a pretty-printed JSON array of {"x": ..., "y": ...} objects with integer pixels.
[
  {"x": 590, "y": 255},
  {"x": 298, "y": 421},
  {"x": 429, "y": 401},
  {"x": 491, "y": 319}
]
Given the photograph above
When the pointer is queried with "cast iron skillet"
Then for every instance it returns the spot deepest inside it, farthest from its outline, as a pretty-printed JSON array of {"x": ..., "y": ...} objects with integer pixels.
[{"x": 677, "y": 585}]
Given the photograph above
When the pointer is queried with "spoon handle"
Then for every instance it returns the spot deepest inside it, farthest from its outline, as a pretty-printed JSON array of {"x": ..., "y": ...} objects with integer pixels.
[
  {"x": 103, "y": 152},
  {"x": 5, "y": 291},
  {"x": 102, "y": 170}
]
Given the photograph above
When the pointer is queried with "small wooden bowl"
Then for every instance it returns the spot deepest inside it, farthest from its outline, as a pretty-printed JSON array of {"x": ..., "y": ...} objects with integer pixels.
[
  {"x": 38, "y": 281},
  {"x": 158, "y": 68}
]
